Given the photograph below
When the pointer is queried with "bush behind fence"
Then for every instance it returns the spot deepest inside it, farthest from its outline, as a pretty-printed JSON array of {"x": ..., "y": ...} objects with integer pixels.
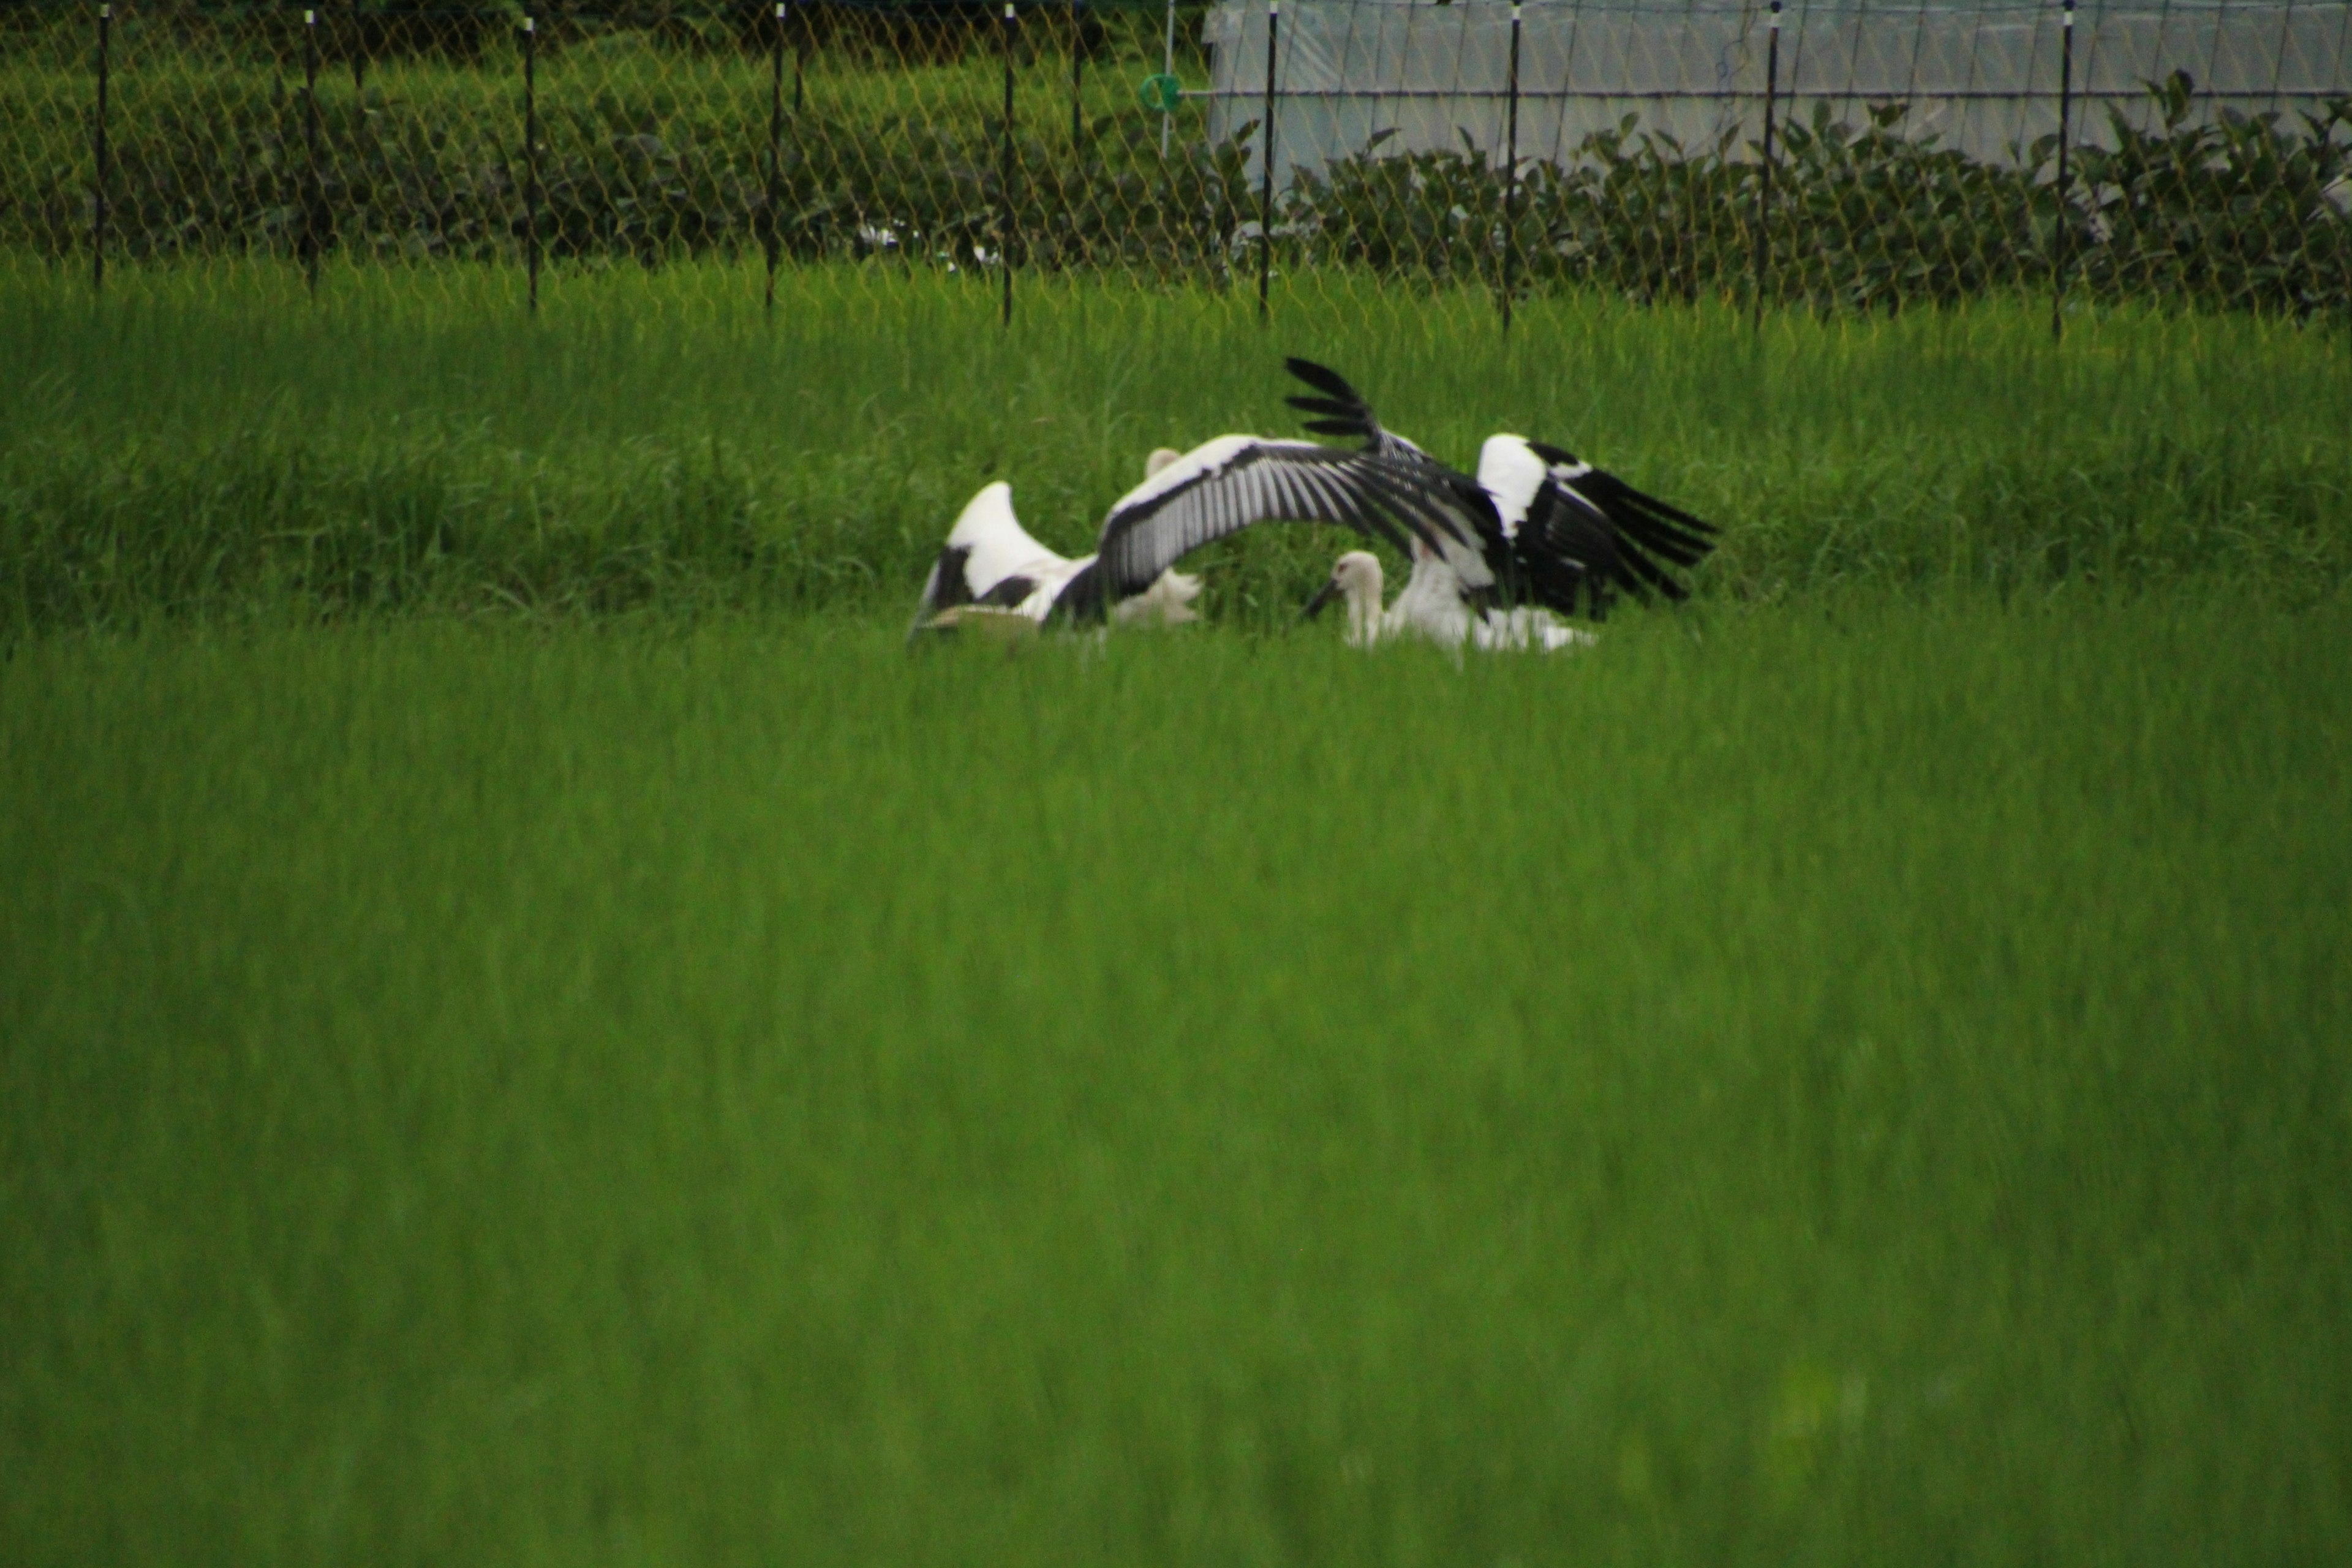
[{"x": 879, "y": 133}]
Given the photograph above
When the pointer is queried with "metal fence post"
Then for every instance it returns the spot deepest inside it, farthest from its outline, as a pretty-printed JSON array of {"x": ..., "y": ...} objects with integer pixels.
[
  {"x": 1168, "y": 67},
  {"x": 1764, "y": 184},
  {"x": 359, "y": 57},
  {"x": 1004, "y": 174},
  {"x": 1069, "y": 228},
  {"x": 774, "y": 234},
  {"x": 1511, "y": 177},
  {"x": 1077, "y": 72},
  {"x": 531, "y": 152},
  {"x": 1265, "y": 186},
  {"x": 98, "y": 213},
  {"x": 2058, "y": 235},
  {"x": 314, "y": 189}
]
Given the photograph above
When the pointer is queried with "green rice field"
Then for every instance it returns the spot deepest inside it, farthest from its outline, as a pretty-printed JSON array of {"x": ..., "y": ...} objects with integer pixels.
[
  {"x": 534, "y": 1030},
  {"x": 213, "y": 443}
]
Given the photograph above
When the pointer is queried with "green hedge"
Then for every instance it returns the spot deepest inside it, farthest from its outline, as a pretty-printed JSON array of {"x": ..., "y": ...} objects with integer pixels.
[{"x": 2251, "y": 212}]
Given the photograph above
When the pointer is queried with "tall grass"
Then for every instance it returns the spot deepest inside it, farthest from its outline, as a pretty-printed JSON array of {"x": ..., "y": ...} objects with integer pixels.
[
  {"x": 208, "y": 442},
  {"x": 1859, "y": 1086}
]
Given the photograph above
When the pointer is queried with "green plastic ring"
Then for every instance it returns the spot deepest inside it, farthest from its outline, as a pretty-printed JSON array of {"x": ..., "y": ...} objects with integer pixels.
[{"x": 1163, "y": 94}]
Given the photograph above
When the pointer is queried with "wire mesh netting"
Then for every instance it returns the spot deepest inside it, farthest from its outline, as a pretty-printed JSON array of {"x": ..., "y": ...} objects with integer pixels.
[{"x": 1843, "y": 156}]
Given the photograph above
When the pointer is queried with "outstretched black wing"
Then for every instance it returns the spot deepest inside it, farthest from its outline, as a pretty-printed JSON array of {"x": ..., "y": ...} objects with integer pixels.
[
  {"x": 1235, "y": 481},
  {"x": 1479, "y": 553},
  {"x": 1590, "y": 534}
]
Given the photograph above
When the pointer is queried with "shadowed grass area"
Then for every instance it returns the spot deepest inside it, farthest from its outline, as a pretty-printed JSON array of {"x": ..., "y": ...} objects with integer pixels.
[
  {"x": 1863, "y": 1085},
  {"x": 210, "y": 443}
]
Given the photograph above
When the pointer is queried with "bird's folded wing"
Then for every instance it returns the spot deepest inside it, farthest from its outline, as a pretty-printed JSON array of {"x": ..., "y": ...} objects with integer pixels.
[
  {"x": 996, "y": 543},
  {"x": 1229, "y": 484},
  {"x": 989, "y": 559}
]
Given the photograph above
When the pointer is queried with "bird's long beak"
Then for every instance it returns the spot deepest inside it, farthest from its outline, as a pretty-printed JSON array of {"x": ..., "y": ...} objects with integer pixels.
[{"x": 1315, "y": 606}]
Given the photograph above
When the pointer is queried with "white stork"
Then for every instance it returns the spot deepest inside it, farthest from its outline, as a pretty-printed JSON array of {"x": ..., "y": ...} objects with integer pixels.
[
  {"x": 990, "y": 567},
  {"x": 1433, "y": 605},
  {"x": 1551, "y": 533},
  {"x": 992, "y": 573}
]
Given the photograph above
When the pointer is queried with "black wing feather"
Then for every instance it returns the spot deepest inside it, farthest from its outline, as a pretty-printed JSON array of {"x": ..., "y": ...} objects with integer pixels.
[
  {"x": 1343, "y": 409},
  {"x": 1590, "y": 536},
  {"x": 947, "y": 586},
  {"x": 1667, "y": 531},
  {"x": 1346, "y": 413}
]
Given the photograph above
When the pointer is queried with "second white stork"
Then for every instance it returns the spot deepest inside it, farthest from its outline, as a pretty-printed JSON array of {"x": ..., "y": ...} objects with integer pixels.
[
  {"x": 1433, "y": 605},
  {"x": 1553, "y": 536}
]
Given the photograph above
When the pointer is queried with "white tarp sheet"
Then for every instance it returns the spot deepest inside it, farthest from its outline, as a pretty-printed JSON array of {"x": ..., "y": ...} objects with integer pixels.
[{"x": 1983, "y": 79}]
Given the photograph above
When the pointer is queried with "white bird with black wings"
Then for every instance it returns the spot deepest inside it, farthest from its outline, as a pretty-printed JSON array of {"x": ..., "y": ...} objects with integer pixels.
[
  {"x": 990, "y": 567},
  {"x": 1552, "y": 535}
]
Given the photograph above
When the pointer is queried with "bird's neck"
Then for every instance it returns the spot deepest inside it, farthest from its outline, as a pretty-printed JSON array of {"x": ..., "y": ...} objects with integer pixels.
[{"x": 1364, "y": 612}]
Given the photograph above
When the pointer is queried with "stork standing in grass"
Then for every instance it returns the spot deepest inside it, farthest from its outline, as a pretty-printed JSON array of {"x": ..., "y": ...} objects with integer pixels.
[
  {"x": 991, "y": 571},
  {"x": 1550, "y": 535}
]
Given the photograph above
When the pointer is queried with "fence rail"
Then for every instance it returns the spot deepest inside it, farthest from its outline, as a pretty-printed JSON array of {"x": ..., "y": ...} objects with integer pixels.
[{"x": 1623, "y": 147}]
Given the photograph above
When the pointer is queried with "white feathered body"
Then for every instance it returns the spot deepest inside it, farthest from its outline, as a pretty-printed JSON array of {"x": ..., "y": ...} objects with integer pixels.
[
  {"x": 1007, "y": 570},
  {"x": 1433, "y": 607}
]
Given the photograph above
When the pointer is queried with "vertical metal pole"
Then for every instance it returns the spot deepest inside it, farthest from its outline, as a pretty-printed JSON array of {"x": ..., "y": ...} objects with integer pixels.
[
  {"x": 1069, "y": 230},
  {"x": 1764, "y": 183},
  {"x": 2278, "y": 61},
  {"x": 1004, "y": 174},
  {"x": 98, "y": 216},
  {"x": 1265, "y": 188},
  {"x": 530, "y": 149},
  {"x": 1168, "y": 67},
  {"x": 800, "y": 71},
  {"x": 2065, "y": 108},
  {"x": 1077, "y": 72},
  {"x": 314, "y": 189},
  {"x": 776, "y": 150},
  {"x": 1511, "y": 177},
  {"x": 359, "y": 107}
]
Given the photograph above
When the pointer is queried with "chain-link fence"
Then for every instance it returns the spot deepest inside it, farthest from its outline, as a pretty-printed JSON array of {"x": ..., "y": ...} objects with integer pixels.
[{"x": 1838, "y": 155}]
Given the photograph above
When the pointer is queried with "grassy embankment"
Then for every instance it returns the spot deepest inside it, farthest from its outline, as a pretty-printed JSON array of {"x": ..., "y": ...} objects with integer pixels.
[
  {"x": 207, "y": 442},
  {"x": 1866, "y": 1087}
]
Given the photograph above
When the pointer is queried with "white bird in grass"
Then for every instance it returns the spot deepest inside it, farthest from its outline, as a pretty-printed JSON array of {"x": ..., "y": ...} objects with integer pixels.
[
  {"x": 1433, "y": 605},
  {"x": 1551, "y": 534},
  {"x": 991, "y": 570},
  {"x": 992, "y": 573}
]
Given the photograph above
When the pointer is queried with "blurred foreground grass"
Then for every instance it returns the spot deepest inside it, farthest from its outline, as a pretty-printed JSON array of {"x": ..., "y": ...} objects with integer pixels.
[{"x": 1861, "y": 1085}]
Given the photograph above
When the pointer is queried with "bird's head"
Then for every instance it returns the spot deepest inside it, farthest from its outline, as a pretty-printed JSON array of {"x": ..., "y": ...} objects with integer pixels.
[
  {"x": 1161, "y": 458},
  {"x": 1355, "y": 577}
]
